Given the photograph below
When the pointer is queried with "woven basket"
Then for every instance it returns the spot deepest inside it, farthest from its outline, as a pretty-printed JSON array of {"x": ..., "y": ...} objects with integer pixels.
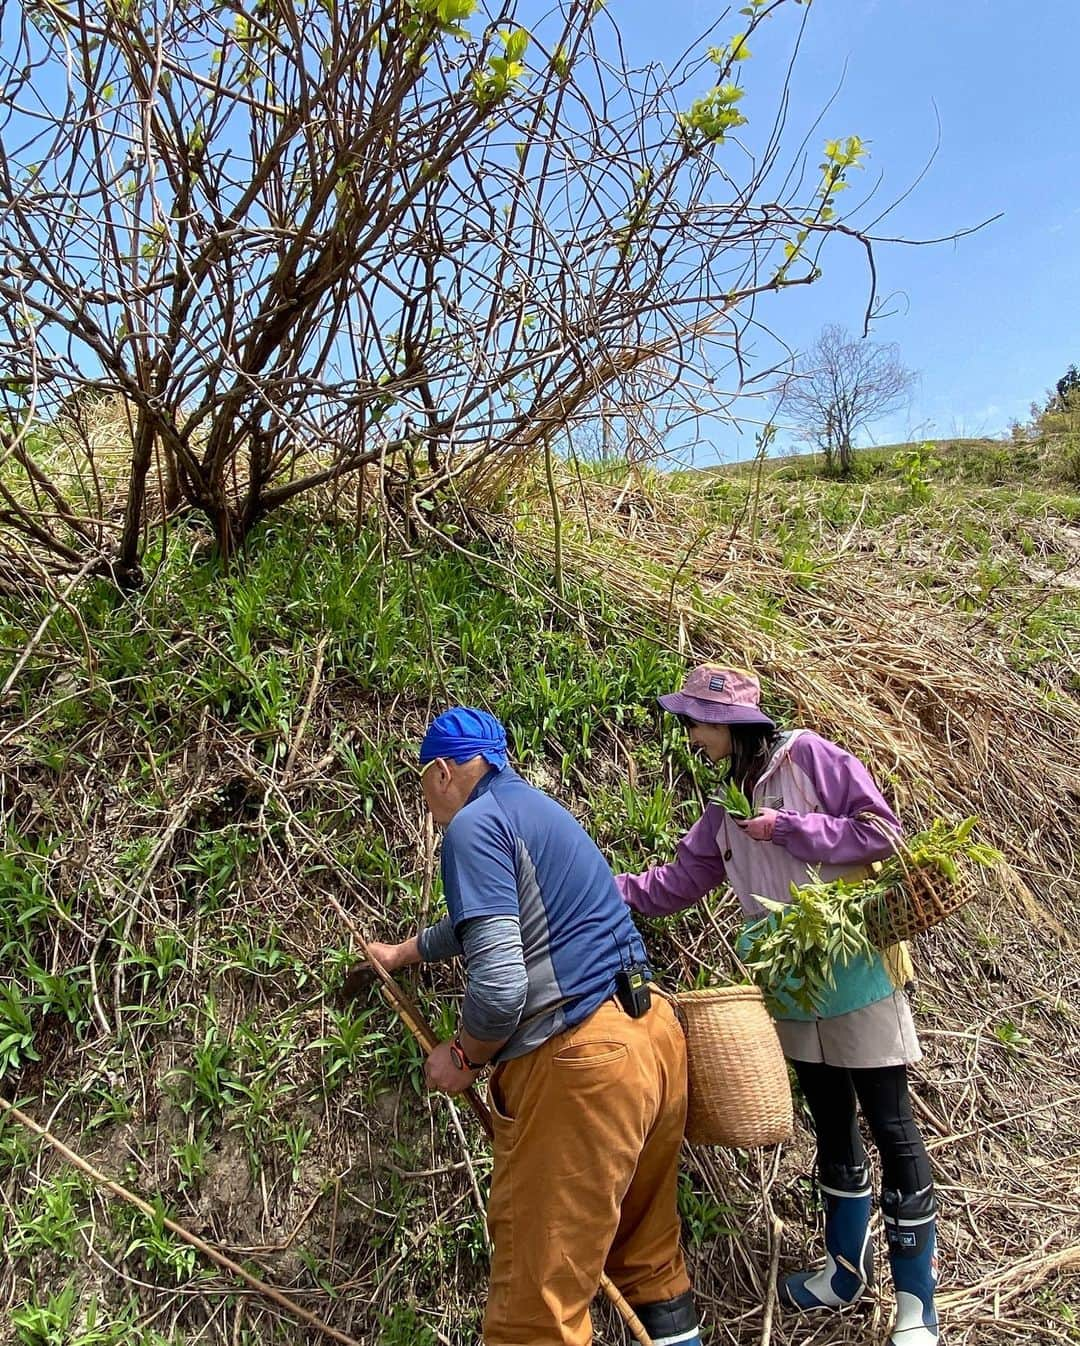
[
  {"x": 926, "y": 898},
  {"x": 739, "y": 1090}
]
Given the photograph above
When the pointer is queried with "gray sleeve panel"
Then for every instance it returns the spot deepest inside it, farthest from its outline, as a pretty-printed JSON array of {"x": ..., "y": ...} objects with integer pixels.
[
  {"x": 543, "y": 1014},
  {"x": 497, "y": 982},
  {"x": 438, "y": 943}
]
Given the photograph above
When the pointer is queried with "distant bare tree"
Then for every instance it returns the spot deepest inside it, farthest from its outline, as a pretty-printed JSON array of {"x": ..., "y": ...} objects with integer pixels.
[
  {"x": 295, "y": 237},
  {"x": 840, "y": 386}
]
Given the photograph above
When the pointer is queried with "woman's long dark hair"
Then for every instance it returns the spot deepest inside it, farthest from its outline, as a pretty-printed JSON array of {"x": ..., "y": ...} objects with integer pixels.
[{"x": 751, "y": 747}]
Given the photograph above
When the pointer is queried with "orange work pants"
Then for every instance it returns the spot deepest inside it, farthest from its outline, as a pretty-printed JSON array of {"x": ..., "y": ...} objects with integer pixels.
[{"x": 588, "y": 1131}]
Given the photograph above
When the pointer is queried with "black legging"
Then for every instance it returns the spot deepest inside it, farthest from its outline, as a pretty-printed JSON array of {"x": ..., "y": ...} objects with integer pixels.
[{"x": 830, "y": 1093}]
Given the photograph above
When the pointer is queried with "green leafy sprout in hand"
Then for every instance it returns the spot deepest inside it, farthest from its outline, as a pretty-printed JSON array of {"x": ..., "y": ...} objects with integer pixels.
[{"x": 735, "y": 802}]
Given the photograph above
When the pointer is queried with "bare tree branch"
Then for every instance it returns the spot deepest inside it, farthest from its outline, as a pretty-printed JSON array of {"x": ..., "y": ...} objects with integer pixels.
[{"x": 296, "y": 239}]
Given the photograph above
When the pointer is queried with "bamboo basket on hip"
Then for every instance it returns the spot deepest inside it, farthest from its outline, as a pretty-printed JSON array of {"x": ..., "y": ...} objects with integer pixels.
[{"x": 740, "y": 1095}]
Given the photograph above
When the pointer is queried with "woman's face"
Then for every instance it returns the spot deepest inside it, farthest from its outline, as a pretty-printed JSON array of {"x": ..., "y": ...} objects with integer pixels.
[{"x": 712, "y": 740}]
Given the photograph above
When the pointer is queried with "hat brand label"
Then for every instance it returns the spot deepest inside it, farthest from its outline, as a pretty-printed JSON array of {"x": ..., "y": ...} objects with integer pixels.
[{"x": 716, "y": 682}]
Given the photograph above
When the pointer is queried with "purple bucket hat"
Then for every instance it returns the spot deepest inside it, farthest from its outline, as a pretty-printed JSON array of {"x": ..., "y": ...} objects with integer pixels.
[{"x": 714, "y": 695}]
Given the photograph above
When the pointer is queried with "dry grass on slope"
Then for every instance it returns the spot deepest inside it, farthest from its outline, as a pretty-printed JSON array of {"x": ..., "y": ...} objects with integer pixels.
[
  {"x": 925, "y": 696},
  {"x": 170, "y": 787}
]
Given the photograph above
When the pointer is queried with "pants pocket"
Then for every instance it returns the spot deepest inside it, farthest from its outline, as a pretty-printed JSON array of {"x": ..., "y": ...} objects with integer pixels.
[
  {"x": 500, "y": 1109},
  {"x": 590, "y": 1053}
]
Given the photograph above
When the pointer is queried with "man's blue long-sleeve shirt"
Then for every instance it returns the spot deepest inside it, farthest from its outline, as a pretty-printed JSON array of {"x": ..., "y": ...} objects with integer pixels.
[{"x": 529, "y": 890}]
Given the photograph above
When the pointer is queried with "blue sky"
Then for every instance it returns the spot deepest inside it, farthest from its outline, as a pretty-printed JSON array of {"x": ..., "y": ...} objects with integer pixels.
[{"x": 989, "y": 321}]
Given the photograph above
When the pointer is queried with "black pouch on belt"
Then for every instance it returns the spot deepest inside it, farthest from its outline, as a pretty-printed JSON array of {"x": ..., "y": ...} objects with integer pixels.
[{"x": 632, "y": 989}]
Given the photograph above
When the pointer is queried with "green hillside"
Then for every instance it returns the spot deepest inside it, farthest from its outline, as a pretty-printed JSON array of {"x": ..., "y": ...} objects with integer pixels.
[{"x": 206, "y": 783}]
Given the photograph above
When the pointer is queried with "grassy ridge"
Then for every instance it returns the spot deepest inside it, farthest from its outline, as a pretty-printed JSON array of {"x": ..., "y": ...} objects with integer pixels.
[
  {"x": 169, "y": 969},
  {"x": 170, "y": 966},
  {"x": 979, "y": 526}
]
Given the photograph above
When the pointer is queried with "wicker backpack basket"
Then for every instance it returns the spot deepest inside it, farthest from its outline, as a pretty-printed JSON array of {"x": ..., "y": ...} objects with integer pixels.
[{"x": 739, "y": 1090}]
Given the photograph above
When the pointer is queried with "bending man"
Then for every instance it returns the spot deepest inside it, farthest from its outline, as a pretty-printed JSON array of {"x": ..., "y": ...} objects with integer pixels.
[{"x": 588, "y": 1092}]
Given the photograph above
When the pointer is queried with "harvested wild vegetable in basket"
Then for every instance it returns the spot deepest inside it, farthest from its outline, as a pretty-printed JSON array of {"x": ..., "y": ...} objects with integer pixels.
[
  {"x": 794, "y": 951},
  {"x": 926, "y": 879}
]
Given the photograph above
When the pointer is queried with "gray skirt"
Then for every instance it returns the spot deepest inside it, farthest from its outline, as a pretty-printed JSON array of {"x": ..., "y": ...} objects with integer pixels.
[{"x": 881, "y": 1034}]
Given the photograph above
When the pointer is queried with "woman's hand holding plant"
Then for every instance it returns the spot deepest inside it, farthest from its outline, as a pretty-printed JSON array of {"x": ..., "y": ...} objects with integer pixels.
[{"x": 760, "y": 826}]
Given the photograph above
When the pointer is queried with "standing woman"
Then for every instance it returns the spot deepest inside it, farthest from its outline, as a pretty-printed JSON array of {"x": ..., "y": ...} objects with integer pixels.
[{"x": 814, "y": 806}]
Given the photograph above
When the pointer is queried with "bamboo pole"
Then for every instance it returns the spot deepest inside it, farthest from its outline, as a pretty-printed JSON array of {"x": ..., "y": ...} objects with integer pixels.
[{"x": 99, "y": 1179}]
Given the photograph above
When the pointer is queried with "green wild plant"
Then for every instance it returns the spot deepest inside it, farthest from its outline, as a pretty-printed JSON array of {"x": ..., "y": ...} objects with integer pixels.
[
  {"x": 705, "y": 1219},
  {"x": 15, "y": 1149},
  {"x": 106, "y": 1103},
  {"x": 17, "y": 1032},
  {"x": 735, "y": 802},
  {"x": 153, "y": 966},
  {"x": 190, "y": 1158},
  {"x": 205, "y": 1089},
  {"x": 51, "y": 1323},
  {"x": 66, "y": 994},
  {"x": 394, "y": 1058},
  {"x": 259, "y": 957},
  {"x": 217, "y": 861},
  {"x": 1010, "y": 1035},
  {"x": 346, "y": 1045},
  {"x": 915, "y": 465},
  {"x": 50, "y": 1219},
  {"x": 156, "y": 1247},
  {"x": 295, "y": 1136},
  {"x": 403, "y": 1326},
  {"x": 794, "y": 951}
]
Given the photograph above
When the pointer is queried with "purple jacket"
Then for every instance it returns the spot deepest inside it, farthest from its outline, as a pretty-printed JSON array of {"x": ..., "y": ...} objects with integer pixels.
[{"x": 822, "y": 795}]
